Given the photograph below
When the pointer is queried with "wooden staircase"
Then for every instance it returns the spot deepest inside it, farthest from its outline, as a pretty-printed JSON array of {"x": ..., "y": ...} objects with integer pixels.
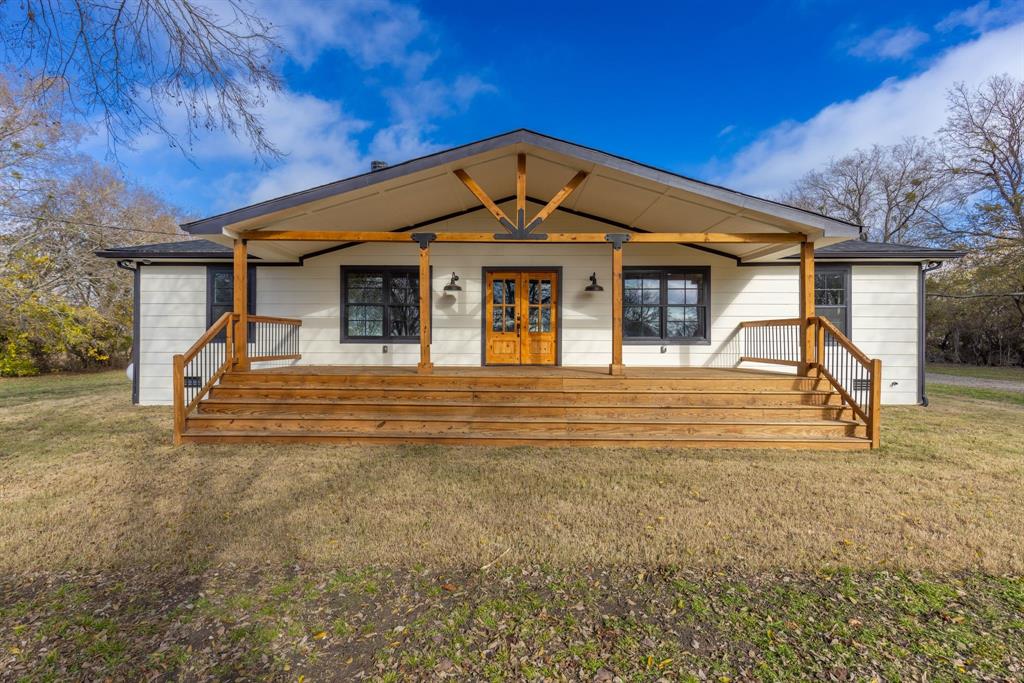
[{"x": 527, "y": 406}]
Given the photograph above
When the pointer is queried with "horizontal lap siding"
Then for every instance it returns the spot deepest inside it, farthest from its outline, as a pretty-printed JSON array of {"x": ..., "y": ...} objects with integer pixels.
[
  {"x": 885, "y": 326},
  {"x": 172, "y": 316},
  {"x": 173, "y": 307}
]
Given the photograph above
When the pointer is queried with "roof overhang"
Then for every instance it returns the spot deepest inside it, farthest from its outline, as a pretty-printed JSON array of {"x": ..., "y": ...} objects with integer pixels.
[{"x": 618, "y": 195}]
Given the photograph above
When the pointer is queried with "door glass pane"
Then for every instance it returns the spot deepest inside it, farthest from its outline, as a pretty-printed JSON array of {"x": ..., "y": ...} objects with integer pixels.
[
  {"x": 497, "y": 319},
  {"x": 510, "y": 318},
  {"x": 545, "y": 319},
  {"x": 534, "y": 319},
  {"x": 497, "y": 292}
]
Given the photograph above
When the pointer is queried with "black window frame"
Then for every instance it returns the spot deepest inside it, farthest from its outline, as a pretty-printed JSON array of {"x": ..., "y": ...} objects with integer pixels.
[
  {"x": 387, "y": 271},
  {"x": 251, "y": 286},
  {"x": 847, "y": 272},
  {"x": 663, "y": 273}
]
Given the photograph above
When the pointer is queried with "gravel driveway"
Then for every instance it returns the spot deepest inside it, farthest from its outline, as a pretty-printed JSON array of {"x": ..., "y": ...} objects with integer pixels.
[{"x": 975, "y": 382}]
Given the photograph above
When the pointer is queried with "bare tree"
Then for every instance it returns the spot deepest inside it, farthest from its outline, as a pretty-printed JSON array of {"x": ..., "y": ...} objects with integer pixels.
[
  {"x": 130, "y": 63},
  {"x": 899, "y": 193},
  {"x": 985, "y": 138}
]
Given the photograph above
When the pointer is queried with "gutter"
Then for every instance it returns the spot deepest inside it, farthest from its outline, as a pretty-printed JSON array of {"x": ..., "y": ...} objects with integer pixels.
[
  {"x": 922, "y": 323},
  {"x": 136, "y": 270}
]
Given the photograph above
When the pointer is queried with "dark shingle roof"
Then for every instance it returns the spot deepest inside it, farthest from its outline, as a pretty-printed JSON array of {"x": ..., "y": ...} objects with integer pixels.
[
  {"x": 859, "y": 249},
  {"x": 191, "y": 249}
]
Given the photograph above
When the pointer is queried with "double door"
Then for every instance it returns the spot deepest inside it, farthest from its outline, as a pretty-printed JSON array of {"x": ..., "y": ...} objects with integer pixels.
[{"x": 521, "y": 320}]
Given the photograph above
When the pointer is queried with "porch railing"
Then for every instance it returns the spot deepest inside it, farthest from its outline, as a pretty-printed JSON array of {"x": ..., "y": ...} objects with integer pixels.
[
  {"x": 199, "y": 369},
  {"x": 854, "y": 376}
]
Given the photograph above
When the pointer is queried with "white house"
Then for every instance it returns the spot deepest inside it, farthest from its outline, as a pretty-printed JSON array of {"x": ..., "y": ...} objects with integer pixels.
[{"x": 526, "y": 265}]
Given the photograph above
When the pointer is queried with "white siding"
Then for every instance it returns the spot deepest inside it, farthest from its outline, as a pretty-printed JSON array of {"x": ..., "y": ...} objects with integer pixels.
[
  {"x": 884, "y": 312},
  {"x": 885, "y": 320},
  {"x": 172, "y": 300}
]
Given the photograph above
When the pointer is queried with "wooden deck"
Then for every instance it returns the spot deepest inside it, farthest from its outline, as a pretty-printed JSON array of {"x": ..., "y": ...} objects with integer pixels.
[{"x": 545, "y": 406}]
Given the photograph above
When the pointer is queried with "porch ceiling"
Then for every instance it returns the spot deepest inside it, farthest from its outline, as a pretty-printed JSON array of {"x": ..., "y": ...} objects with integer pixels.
[{"x": 617, "y": 196}]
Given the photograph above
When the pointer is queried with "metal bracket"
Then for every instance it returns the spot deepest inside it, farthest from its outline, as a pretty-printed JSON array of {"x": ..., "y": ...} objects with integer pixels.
[
  {"x": 520, "y": 235},
  {"x": 424, "y": 238},
  {"x": 617, "y": 239}
]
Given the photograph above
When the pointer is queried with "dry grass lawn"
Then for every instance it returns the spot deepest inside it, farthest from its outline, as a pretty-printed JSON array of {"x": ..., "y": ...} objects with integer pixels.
[{"x": 88, "y": 481}]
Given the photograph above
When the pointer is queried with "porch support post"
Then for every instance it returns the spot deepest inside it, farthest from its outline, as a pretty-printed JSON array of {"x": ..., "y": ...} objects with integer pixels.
[
  {"x": 425, "y": 367},
  {"x": 241, "y": 304},
  {"x": 616, "y": 366},
  {"x": 808, "y": 342}
]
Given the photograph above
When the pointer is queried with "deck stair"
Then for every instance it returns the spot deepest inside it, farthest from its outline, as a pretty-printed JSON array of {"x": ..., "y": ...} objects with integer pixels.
[{"x": 532, "y": 406}]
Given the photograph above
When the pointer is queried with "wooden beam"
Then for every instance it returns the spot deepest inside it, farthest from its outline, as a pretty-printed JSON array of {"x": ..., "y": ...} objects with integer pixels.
[
  {"x": 875, "y": 416},
  {"x": 720, "y": 238},
  {"x": 425, "y": 366},
  {"x": 521, "y": 190},
  {"x": 557, "y": 200},
  {"x": 484, "y": 198},
  {"x": 616, "y": 366},
  {"x": 241, "y": 304},
  {"x": 584, "y": 237},
  {"x": 808, "y": 343}
]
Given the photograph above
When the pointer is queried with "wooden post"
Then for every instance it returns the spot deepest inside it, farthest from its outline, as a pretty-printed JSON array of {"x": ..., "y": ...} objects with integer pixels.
[
  {"x": 616, "y": 366},
  {"x": 241, "y": 305},
  {"x": 178, "y": 397},
  {"x": 819, "y": 354},
  {"x": 521, "y": 191},
  {"x": 875, "y": 416},
  {"x": 807, "y": 345},
  {"x": 425, "y": 367}
]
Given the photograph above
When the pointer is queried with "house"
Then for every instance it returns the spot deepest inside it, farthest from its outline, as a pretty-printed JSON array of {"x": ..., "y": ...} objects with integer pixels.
[{"x": 525, "y": 289}]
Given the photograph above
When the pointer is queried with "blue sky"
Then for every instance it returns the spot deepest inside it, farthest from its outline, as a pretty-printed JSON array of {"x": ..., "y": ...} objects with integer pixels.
[{"x": 749, "y": 96}]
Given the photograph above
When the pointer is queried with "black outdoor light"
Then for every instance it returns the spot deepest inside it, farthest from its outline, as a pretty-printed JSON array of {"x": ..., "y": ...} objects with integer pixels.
[
  {"x": 452, "y": 286},
  {"x": 593, "y": 286}
]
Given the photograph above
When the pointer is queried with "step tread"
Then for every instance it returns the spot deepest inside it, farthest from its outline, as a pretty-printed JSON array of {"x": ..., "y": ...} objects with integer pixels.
[
  {"x": 510, "y": 435},
  {"x": 302, "y": 400},
  {"x": 503, "y": 390},
  {"x": 524, "y": 419}
]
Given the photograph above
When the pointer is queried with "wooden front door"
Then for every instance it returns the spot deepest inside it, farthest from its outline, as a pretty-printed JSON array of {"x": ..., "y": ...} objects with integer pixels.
[{"x": 521, "y": 320}]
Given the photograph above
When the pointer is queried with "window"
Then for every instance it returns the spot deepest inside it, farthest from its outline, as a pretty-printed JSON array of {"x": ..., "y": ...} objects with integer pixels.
[
  {"x": 665, "y": 305},
  {"x": 380, "y": 303},
  {"x": 832, "y": 295},
  {"x": 220, "y": 292}
]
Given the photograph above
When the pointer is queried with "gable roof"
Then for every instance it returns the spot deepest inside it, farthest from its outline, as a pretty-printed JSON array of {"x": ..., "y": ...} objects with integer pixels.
[
  {"x": 200, "y": 249},
  {"x": 214, "y": 225}
]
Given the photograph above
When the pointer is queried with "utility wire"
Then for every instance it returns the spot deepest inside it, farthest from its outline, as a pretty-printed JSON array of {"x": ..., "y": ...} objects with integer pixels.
[{"x": 68, "y": 221}]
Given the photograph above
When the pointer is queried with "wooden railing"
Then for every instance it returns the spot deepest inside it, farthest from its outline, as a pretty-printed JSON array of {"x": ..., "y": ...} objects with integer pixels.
[
  {"x": 854, "y": 376},
  {"x": 197, "y": 370},
  {"x": 272, "y": 338},
  {"x": 772, "y": 341}
]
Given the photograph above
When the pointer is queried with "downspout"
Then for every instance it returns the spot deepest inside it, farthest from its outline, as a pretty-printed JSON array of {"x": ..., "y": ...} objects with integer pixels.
[
  {"x": 921, "y": 329},
  {"x": 136, "y": 270}
]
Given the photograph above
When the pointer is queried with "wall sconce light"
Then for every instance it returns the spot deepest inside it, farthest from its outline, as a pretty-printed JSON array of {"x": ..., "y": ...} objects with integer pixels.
[
  {"x": 452, "y": 286},
  {"x": 593, "y": 286}
]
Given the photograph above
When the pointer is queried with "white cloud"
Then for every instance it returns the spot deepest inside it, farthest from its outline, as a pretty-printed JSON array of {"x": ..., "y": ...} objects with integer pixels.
[
  {"x": 372, "y": 32},
  {"x": 983, "y": 16},
  {"x": 726, "y": 130},
  {"x": 896, "y": 109},
  {"x": 889, "y": 43}
]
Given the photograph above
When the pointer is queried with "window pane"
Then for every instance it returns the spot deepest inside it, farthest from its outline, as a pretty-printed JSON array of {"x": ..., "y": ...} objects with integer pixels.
[
  {"x": 223, "y": 288},
  {"x": 681, "y": 329},
  {"x": 534, "y": 319},
  {"x": 642, "y": 321},
  {"x": 405, "y": 321},
  {"x": 545, "y": 319},
  {"x": 497, "y": 320},
  {"x": 510, "y": 318}
]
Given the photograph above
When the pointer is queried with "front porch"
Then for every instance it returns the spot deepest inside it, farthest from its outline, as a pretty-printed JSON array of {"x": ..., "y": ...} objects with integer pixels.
[{"x": 832, "y": 400}]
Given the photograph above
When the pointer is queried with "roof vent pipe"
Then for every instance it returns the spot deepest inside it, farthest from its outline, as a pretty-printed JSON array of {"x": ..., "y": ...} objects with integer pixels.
[{"x": 378, "y": 165}]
